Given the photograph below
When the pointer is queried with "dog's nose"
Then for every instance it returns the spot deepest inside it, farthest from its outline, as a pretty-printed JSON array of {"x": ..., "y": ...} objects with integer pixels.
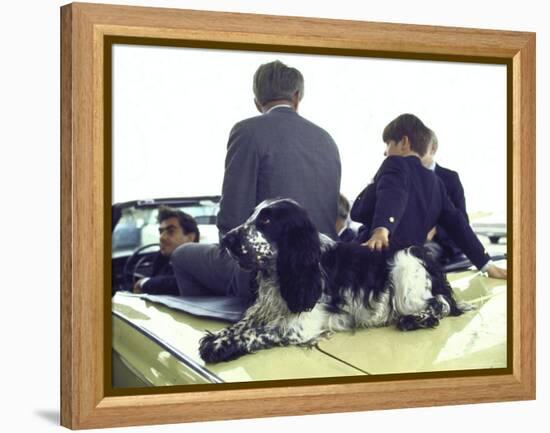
[{"x": 231, "y": 240}]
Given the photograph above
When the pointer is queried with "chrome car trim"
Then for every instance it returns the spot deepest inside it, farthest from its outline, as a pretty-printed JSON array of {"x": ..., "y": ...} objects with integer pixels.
[
  {"x": 180, "y": 356},
  {"x": 341, "y": 360}
]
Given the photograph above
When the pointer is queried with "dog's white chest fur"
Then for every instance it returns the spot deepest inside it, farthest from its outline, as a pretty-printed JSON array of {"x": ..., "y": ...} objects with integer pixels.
[{"x": 270, "y": 306}]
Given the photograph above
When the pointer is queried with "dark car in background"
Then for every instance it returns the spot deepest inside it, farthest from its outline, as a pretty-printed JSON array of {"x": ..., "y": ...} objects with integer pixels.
[{"x": 135, "y": 237}]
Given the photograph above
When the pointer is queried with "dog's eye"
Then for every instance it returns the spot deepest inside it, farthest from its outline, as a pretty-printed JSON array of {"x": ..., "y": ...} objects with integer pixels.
[{"x": 264, "y": 221}]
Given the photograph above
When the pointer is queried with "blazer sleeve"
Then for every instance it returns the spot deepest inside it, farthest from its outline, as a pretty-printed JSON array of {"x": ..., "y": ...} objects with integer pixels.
[
  {"x": 457, "y": 195},
  {"x": 392, "y": 193},
  {"x": 459, "y": 230},
  {"x": 358, "y": 211},
  {"x": 240, "y": 179},
  {"x": 161, "y": 285}
]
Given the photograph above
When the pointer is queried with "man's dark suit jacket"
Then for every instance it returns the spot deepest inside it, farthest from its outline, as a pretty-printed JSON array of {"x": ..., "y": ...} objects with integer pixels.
[
  {"x": 409, "y": 199},
  {"x": 162, "y": 280},
  {"x": 454, "y": 188},
  {"x": 279, "y": 154}
]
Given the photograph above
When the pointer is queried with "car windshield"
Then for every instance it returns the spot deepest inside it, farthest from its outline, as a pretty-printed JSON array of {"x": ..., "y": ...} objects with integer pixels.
[{"x": 138, "y": 225}]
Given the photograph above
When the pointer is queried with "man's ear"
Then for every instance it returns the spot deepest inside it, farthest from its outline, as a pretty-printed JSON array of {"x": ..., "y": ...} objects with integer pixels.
[
  {"x": 190, "y": 237},
  {"x": 296, "y": 98},
  {"x": 258, "y": 106}
]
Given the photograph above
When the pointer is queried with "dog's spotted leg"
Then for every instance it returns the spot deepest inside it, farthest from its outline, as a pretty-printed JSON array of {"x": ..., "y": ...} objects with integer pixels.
[
  {"x": 214, "y": 344},
  {"x": 216, "y": 348},
  {"x": 232, "y": 343}
]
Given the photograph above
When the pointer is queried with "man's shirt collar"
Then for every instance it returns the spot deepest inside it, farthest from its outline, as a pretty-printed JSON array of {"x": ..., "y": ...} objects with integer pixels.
[{"x": 278, "y": 106}]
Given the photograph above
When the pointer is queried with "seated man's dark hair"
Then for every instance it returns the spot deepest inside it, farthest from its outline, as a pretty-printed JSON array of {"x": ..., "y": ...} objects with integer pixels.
[
  {"x": 186, "y": 221},
  {"x": 411, "y": 126}
]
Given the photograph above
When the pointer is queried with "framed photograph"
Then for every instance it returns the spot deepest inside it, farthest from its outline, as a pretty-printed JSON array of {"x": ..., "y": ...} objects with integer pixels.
[{"x": 148, "y": 99}]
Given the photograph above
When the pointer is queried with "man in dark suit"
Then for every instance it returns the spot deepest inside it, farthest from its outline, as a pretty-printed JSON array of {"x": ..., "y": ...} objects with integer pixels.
[
  {"x": 405, "y": 200},
  {"x": 276, "y": 154},
  {"x": 175, "y": 228},
  {"x": 449, "y": 251}
]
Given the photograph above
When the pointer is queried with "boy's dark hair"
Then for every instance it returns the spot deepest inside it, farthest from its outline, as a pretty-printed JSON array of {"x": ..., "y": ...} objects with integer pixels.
[
  {"x": 186, "y": 221},
  {"x": 411, "y": 126}
]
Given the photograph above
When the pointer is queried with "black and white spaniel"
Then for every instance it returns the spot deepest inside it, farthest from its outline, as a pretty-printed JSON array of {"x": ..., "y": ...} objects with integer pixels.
[{"x": 310, "y": 286}]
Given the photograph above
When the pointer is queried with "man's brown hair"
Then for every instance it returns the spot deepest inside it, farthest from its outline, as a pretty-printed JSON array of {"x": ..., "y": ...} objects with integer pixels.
[{"x": 186, "y": 221}]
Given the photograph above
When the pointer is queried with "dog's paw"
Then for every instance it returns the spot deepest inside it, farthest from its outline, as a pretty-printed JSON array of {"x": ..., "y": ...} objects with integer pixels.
[
  {"x": 217, "y": 348},
  {"x": 430, "y": 322},
  {"x": 208, "y": 347},
  {"x": 407, "y": 323},
  {"x": 412, "y": 322}
]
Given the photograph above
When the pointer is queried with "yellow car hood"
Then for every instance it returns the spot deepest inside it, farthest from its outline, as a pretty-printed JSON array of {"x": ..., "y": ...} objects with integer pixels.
[
  {"x": 474, "y": 340},
  {"x": 159, "y": 345}
]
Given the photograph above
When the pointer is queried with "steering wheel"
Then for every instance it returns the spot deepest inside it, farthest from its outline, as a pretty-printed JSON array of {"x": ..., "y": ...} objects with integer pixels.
[{"x": 135, "y": 265}]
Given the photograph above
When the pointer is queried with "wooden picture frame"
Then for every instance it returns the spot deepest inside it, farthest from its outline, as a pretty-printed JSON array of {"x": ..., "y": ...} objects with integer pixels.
[{"x": 84, "y": 222}]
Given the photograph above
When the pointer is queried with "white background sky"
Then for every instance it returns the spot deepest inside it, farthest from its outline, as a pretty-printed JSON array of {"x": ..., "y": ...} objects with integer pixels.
[{"x": 173, "y": 109}]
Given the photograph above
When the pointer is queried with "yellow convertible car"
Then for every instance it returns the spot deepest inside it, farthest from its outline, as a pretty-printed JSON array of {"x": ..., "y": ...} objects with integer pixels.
[{"x": 155, "y": 339}]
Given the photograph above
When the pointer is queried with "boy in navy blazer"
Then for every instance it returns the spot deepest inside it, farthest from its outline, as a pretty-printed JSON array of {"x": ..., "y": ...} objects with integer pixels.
[{"x": 405, "y": 200}]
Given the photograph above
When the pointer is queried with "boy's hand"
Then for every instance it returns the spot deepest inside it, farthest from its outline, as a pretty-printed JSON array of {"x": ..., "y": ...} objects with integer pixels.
[
  {"x": 379, "y": 239},
  {"x": 431, "y": 234},
  {"x": 494, "y": 271}
]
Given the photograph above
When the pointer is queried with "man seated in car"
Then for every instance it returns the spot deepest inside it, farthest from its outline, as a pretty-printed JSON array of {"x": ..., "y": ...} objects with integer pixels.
[{"x": 176, "y": 228}]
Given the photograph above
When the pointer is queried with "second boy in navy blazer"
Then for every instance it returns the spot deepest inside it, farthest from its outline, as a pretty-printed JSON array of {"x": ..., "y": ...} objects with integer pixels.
[{"x": 448, "y": 249}]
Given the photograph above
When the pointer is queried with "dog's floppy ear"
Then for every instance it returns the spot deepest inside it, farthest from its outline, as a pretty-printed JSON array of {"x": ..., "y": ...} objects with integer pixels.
[{"x": 299, "y": 252}]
